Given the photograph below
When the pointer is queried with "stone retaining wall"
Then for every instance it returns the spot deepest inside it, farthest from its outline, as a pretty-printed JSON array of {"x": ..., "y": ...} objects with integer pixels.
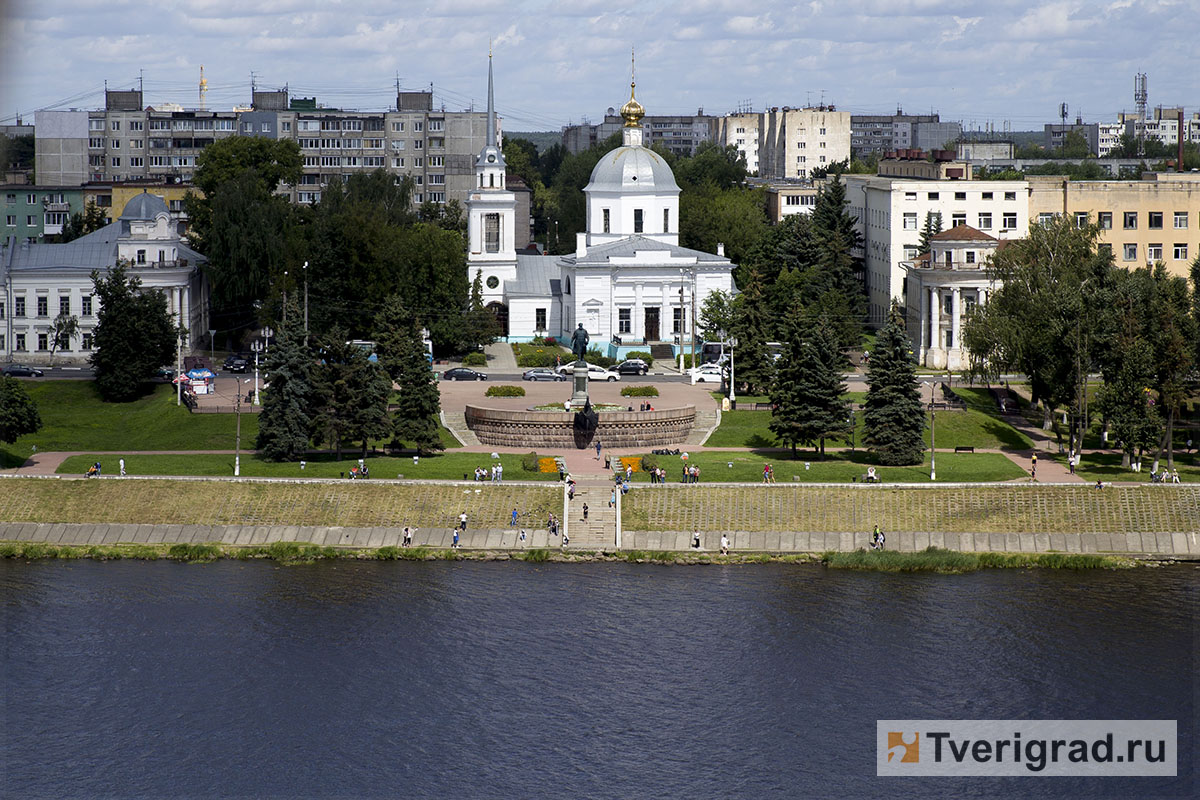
[{"x": 548, "y": 429}]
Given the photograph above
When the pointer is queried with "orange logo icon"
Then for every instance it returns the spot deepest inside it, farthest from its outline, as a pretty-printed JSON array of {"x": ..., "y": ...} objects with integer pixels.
[{"x": 911, "y": 749}]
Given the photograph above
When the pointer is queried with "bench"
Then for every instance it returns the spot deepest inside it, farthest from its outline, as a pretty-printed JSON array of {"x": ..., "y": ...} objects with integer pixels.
[{"x": 964, "y": 449}]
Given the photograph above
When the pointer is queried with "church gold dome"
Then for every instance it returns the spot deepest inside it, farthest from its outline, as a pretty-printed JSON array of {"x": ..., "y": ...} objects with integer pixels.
[{"x": 632, "y": 112}]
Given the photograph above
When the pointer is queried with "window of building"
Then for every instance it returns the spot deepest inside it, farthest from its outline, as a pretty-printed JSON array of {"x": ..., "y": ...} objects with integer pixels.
[
  {"x": 43, "y": 341},
  {"x": 437, "y": 161},
  {"x": 910, "y": 253},
  {"x": 87, "y": 305},
  {"x": 960, "y": 195},
  {"x": 43, "y": 306},
  {"x": 822, "y": 131},
  {"x": 666, "y": 219},
  {"x": 932, "y": 196},
  {"x": 398, "y": 163},
  {"x": 910, "y": 221},
  {"x": 141, "y": 257},
  {"x": 1010, "y": 195},
  {"x": 11, "y": 220},
  {"x": 397, "y": 127},
  {"x": 1181, "y": 218},
  {"x": 116, "y": 161},
  {"x": 822, "y": 145},
  {"x": 418, "y": 126},
  {"x": 1154, "y": 252},
  {"x": 1130, "y": 219},
  {"x": 286, "y": 127},
  {"x": 1081, "y": 219},
  {"x": 539, "y": 319},
  {"x": 677, "y": 319},
  {"x": 637, "y": 220},
  {"x": 64, "y": 305},
  {"x": 137, "y": 161},
  {"x": 86, "y": 342},
  {"x": 31, "y": 199},
  {"x": 491, "y": 233},
  {"x": 624, "y": 320},
  {"x": 1129, "y": 252},
  {"x": 116, "y": 124},
  {"x": 418, "y": 198},
  {"x": 958, "y": 218},
  {"x": 95, "y": 124},
  {"x": 606, "y": 216},
  {"x": 30, "y": 220},
  {"x": 1155, "y": 221},
  {"x": 1, "y": 341},
  {"x": 987, "y": 195},
  {"x": 1180, "y": 252},
  {"x": 18, "y": 306},
  {"x": 1010, "y": 221},
  {"x": 437, "y": 180},
  {"x": 1104, "y": 220},
  {"x": 910, "y": 195},
  {"x": 985, "y": 222},
  {"x": 418, "y": 161},
  {"x": 970, "y": 256}
]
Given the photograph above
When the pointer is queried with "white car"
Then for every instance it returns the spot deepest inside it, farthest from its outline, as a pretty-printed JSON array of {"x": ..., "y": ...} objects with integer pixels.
[
  {"x": 595, "y": 373},
  {"x": 708, "y": 373}
]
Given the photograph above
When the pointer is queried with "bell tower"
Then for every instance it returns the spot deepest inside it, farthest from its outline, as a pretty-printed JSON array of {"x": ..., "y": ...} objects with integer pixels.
[{"x": 491, "y": 214}]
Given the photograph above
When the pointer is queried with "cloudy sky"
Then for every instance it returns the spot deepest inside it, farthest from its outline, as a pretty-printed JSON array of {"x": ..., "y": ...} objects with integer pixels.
[{"x": 561, "y": 61}]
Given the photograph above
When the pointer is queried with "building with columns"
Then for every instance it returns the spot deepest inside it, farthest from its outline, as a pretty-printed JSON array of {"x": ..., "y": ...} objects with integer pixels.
[
  {"x": 40, "y": 281},
  {"x": 629, "y": 283},
  {"x": 942, "y": 286}
]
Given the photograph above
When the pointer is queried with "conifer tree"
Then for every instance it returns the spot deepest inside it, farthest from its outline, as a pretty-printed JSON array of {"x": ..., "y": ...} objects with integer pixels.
[
  {"x": 286, "y": 418},
  {"x": 806, "y": 395},
  {"x": 752, "y": 362},
  {"x": 351, "y": 394},
  {"x": 402, "y": 356},
  {"x": 932, "y": 227},
  {"x": 893, "y": 419}
]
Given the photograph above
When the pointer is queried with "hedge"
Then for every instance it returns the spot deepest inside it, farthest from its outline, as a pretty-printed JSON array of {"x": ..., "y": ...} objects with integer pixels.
[
  {"x": 536, "y": 359},
  {"x": 639, "y": 391},
  {"x": 474, "y": 360},
  {"x": 505, "y": 390},
  {"x": 644, "y": 356}
]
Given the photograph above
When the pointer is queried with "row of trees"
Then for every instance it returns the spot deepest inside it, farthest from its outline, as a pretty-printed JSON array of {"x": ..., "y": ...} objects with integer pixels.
[
  {"x": 1064, "y": 312},
  {"x": 330, "y": 391}
]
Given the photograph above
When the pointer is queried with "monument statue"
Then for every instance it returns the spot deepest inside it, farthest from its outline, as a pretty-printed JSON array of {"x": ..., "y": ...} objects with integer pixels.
[{"x": 579, "y": 342}]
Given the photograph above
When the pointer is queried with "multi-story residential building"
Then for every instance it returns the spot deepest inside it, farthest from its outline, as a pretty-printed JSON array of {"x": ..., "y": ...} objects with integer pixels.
[
  {"x": 1055, "y": 136},
  {"x": 878, "y": 133},
  {"x": 28, "y": 213},
  {"x": 1109, "y": 137},
  {"x": 789, "y": 142},
  {"x": 789, "y": 199},
  {"x": 680, "y": 134},
  {"x": 1141, "y": 222},
  {"x": 984, "y": 150},
  {"x": 127, "y": 141},
  {"x": 892, "y": 207}
]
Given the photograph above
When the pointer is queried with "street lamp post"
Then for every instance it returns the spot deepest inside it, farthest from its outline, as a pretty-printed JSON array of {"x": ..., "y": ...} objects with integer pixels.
[
  {"x": 257, "y": 347},
  {"x": 732, "y": 381},
  {"x": 932, "y": 435},
  {"x": 237, "y": 442},
  {"x": 681, "y": 326},
  {"x": 305, "y": 303}
]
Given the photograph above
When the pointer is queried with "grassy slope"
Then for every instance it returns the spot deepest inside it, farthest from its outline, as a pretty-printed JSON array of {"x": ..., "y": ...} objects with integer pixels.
[{"x": 841, "y": 467}]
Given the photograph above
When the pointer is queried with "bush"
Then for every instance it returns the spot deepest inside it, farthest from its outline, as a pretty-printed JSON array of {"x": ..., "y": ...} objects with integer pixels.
[
  {"x": 595, "y": 357},
  {"x": 649, "y": 463},
  {"x": 537, "y": 555},
  {"x": 544, "y": 341},
  {"x": 529, "y": 462},
  {"x": 639, "y": 391},
  {"x": 505, "y": 390},
  {"x": 474, "y": 360},
  {"x": 644, "y": 356},
  {"x": 536, "y": 359}
]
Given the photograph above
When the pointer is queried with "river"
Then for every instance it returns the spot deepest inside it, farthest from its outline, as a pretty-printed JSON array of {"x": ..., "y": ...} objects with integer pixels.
[{"x": 463, "y": 680}]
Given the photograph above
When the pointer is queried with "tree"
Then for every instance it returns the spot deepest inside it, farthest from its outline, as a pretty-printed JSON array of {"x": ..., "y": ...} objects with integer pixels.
[
  {"x": 1075, "y": 145},
  {"x": 134, "y": 335},
  {"x": 807, "y": 393},
  {"x": 735, "y": 217},
  {"x": 753, "y": 365},
  {"x": 351, "y": 394},
  {"x": 932, "y": 227},
  {"x": 77, "y": 225},
  {"x": 716, "y": 316},
  {"x": 892, "y": 420},
  {"x": 1125, "y": 402},
  {"x": 721, "y": 167},
  {"x": 402, "y": 356},
  {"x": 286, "y": 420},
  {"x": 481, "y": 327},
  {"x": 62, "y": 331},
  {"x": 18, "y": 413}
]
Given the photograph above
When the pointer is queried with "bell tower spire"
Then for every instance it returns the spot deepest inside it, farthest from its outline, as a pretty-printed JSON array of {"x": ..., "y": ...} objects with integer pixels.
[
  {"x": 489, "y": 167},
  {"x": 632, "y": 112},
  {"x": 491, "y": 118}
]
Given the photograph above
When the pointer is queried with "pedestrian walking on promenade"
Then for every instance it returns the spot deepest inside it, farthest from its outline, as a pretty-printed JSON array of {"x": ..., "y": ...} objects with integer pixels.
[
  {"x": 462, "y": 522},
  {"x": 1033, "y": 466},
  {"x": 612, "y": 499},
  {"x": 513, "y": 523},
  {"x": 585, "y": 510},
  {"x": 122, "y": 466},
  {"x": 407, "y": 537},
  {"x": 724, "y": 545},
  {"x": 598, "y": 448},
  {"x": 454, "y": 544}
]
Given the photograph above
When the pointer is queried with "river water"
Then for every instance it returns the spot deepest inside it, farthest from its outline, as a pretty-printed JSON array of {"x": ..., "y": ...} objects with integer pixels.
[{"x": 462, "y": 680}]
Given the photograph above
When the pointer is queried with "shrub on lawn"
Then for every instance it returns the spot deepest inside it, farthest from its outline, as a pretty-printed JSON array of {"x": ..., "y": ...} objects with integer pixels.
[
  {"x": 639, "y": 391},
  {"x": 537, "y": 358},
  {"x": 643, "y": 355},
  {"x": 595, "y": 357},
  {"x": 545, "y": 341},
  {"x": 505, "y": 390},
  {"x": 474, "y": 360},
  {"x": 529, "y": 462},
  {"x": 649, "y": 463}
]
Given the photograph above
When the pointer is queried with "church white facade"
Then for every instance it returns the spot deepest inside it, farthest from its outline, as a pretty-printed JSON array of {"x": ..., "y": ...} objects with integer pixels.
[{"x": 628, "y": 282}]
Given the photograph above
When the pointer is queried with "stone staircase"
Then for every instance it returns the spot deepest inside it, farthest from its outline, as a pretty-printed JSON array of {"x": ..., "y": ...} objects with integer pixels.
[
  {"x": 661, "y": 352},
  {"x": 600, "y": 530},
  {"x": 707, "y": 421},
  {"x": 456, "y": 423}
]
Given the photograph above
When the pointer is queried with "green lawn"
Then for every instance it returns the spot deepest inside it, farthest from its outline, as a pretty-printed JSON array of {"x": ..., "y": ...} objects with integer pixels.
[
  {"x": 839, "y": 467},
  {"x": 1107, "y": 467},
  {"x": 968, "y": 428},
  {"x": 444, "y": 466}
]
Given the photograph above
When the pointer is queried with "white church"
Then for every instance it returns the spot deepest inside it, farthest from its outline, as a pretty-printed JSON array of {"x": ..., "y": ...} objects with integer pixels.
[{"x": 628, "y": 282}]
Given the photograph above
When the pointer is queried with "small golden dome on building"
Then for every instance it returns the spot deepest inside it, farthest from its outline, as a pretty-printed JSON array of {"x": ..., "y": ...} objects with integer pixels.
[{"x": 632, "y": 111}]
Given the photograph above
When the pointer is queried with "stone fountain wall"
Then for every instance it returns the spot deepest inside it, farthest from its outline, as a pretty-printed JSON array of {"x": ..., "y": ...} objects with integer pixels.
[{"x": 538, "y": 430}]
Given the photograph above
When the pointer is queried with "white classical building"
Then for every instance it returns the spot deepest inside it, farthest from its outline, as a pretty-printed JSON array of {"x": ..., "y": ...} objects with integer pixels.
[
  {"x": 942, "y": 286},
  {"x": 629, "y": 283},
  {"x": 40, "y": 281}
]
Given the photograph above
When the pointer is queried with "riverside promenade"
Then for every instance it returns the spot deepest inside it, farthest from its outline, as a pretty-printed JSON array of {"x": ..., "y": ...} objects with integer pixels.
[{"x": 1157, "y": 521}]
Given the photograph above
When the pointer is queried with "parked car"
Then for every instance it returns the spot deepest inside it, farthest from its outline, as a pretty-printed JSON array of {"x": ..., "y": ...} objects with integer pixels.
[
  {"x": 542, "y": 374},
  {"x": 632, "y": 366},
  {"x": 709, "y": 373},
  {"x": 21, "y": 371},
  {"x": 233, "y": 357},
  {"x": 165, "y": 372},
  {"x": 463, "y": 374},
  {"x": 595, "y": 373},
  {"x": 236, "y": 365}
]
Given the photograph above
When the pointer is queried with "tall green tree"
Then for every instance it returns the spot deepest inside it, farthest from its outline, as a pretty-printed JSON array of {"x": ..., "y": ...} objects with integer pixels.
[
  {"x": 1125, "y": 401},
  {"x": 92, "y": 219},
  {"x": 753, "y": 365},
  {"x": 932, "y": 227},
  {"x": 350, "y": 394},
  {"x": 481, "y": 328},
  {"x": 286, "y": 419},
  {"x": 402, "y": 356},
  {"x": 717, "y": 314},
  {"x": 892, "y": 419},
  {"x": 18, "y": 413},
  {"x": 807, "y": 394},
  {"x": 134, "y": 335},
  {"x": 62, "y": 330}
]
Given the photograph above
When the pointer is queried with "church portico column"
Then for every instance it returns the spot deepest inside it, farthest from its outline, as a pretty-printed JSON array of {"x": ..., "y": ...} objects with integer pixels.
[
  {"x": 935, "y": 327},
  {"x": 638, "y": 328},
  {"x": 924, "y": 348},
  {"x": 955, "y": 316}
]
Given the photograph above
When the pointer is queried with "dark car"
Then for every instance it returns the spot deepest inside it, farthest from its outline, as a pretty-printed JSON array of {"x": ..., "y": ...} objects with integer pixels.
[
  {"x": 21, "y": 371},
  {"x": 634, "y": 366},
  {"x": 542, "y": 374},
  {"x": 236, "y": 365},
  {"x": 235, "y": 357},
  {"x": 463, "y": 374}
]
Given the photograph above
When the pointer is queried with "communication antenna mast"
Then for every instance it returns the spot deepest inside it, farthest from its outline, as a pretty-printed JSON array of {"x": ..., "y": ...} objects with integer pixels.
[
  {"x": 203, "y": 87},
  {"x": 1140, "y": 97}
]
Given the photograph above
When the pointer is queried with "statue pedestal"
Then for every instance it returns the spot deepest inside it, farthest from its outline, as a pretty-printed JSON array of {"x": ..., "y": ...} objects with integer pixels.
[{"x": 579, "y": 397}]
